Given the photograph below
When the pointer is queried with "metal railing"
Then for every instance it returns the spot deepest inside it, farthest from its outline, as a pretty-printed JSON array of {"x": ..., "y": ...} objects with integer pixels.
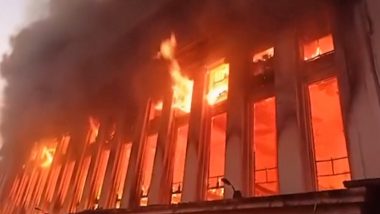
[
  {"x": 332, "y": 162},
  {"x": 267, "y": 180},
  {"x": 216, "y": 180}
]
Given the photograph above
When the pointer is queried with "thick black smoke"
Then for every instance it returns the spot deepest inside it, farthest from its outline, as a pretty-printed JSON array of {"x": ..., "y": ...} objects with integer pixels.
[{"x": 80, "y": 61}]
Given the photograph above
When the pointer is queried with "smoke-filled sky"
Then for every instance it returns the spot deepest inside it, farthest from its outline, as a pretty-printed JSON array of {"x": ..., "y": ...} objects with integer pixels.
[
  {"x": 78, "y": 61},
  {"x": 14, "y": 15}
]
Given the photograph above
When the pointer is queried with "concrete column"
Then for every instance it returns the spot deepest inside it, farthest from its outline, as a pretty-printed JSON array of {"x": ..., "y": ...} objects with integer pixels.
[
  {"x": 359, "y": 89},
  {"x": 195, "y": 175},
  {"x": 237, "y": 143},
  {"x": 131, "y": 193},
  {"x": 294, "y": 163},
  {"x": 160, "y": 186}
]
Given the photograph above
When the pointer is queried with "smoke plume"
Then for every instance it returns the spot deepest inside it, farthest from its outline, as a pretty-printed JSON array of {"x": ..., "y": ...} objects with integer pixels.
[{"x": 78, "y": 62}]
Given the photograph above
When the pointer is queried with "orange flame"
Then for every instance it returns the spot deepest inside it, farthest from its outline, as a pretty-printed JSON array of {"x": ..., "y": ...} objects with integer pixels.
[
  {"x": 94, "y": 129},
  {"x": 182, "y": 85},
  {"x": 47, "y": 157}
]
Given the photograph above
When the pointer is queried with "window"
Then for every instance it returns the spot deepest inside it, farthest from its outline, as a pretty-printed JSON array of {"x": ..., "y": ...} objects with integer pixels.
[
  {"x": 263, "y": 55},
  {"x": 218, "y": 84},
  {"x": 265, "y": 147},
  {"x": 121, "y": 172},
  {"x": 329, "y": 140},
  {"x": 102, "y": 167},
  {"x": 93, "y": 130},
  {"x": 217, "y": 157},
  {"x": 150, "y": 151},
  {"x": 179, "y": 163},
  {"x": 81, "y": 181},
  {"x": 315, "y": 49}
]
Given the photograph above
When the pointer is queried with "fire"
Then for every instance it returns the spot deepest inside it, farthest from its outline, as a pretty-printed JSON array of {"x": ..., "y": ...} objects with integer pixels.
[
  {"x": 94, "y": 129},
  {"x": 182, "y": 85},
  {"x": 218, "y": 84},
  {"x": 47, "y": 156}
]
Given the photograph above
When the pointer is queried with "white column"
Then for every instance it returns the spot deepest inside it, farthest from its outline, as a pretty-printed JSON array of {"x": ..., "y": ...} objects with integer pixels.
[
  {"x": 359, "y": 89},
  {"x": 237, "y": 142},
  {"x": 195, "y": 175},
  {"x": 160, "y": 187},
  {"x": 294, "y": 164}
]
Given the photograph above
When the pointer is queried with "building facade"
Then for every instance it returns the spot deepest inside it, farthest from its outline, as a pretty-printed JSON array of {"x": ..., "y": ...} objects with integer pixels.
[{"x": 279, "y": 98}]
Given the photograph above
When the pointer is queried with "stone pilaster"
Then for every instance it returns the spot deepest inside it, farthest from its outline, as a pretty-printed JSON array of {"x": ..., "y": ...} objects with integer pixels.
[
  {"x": 359, "y": 88},
  {"x": 160, "y": 186},
  {"x": 237, "y": 143},
  {"x": 195, "y": 175},
  {"x": 294, "y": 162}
]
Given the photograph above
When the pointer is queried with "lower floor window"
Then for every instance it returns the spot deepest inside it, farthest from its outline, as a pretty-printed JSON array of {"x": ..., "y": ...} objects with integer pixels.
[{"x": 330, "y": 151}]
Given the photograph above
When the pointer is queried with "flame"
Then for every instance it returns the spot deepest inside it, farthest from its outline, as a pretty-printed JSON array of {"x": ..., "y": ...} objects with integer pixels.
[
  {"x": 182, "y": 85},
  {"x": 218, "y": 84},
  {"x": 158, "y": 106},
  {"x": 47, "y": 157},
  {"x": 94, "y": 129}
]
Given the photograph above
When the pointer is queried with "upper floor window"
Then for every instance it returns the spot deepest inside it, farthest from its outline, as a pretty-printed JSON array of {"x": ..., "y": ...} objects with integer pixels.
[
  {"x": 317, "y": 48},
  {"x": 218, "y": 84}
]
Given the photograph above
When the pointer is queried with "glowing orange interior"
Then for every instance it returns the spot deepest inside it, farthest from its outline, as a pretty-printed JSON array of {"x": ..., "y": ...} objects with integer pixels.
[
  {"x": 265, "y": 147},
  {"x": 263, "y": 55},
  {"x": 217, "y": 157},
  {"x": 179, "y": 163},
  {"x": 218, "y": 84},
  {"x": 93, "y": 131},
  {"x": 316, "y": 48},
  {"x": 150, "y": 151},
  {"x": 121, "y": 172},
  {"x": 329, "y": 140},
  {"x": 82, "y": 180},
  {"x": 99, "y": 179}
]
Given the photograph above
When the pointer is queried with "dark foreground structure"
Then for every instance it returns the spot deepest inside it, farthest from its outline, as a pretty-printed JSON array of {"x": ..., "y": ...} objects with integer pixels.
[{"x": 280, "y": 97}]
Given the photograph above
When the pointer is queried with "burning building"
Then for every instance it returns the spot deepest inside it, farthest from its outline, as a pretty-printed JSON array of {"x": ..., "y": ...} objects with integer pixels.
[{"x": 279, "y": 99}]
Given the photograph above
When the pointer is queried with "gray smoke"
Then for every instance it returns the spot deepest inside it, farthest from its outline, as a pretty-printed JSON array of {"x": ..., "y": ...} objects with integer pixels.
[{"x": 78, "y": 62}]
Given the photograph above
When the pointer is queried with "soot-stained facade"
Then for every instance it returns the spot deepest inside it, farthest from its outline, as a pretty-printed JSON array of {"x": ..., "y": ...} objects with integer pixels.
[{"x": 276, "y": 97}]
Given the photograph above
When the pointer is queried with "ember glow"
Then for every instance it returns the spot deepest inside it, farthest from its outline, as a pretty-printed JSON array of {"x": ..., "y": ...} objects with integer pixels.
[
  {"x": 182, "y": 85},
  {"x": 218, "y": 84},
  {"x": 47, "y": 156}
]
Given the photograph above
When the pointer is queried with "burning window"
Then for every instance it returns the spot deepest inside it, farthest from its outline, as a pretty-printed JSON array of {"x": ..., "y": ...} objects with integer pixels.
[
  {"x": 47, "y": 156},
  {"x": 155, "y": 109},
  {"x": 218, "y": 84},
  {"x": 93, "y": 131},
  {"x": 182, "y": 85},
  {"x": 150, "y": 151},
  {"x": 263, "y": 55},
  {"x": 217, "y": 157},
  {"x": 99, "y": 179},
  {"x": 52, "y": 182},
  {"x": 179, "y": 163},
  {"x": 81, "y": 181},
  {"x": 265, "y": 147},
  {"x": 121, "y": 172},
  {"x": 263, "y": 64},
  {"x": 65, "y": 181},
  {"x": 315, "y": 49},
  {"x": 329, "y": 140},
  {"x": 65, "y": 143}
]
